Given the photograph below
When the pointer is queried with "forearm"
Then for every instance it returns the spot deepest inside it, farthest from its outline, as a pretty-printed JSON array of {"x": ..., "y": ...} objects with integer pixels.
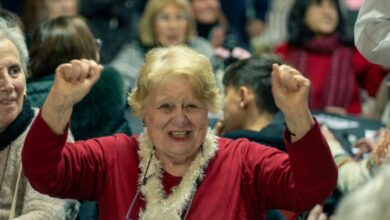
[
  {"x": 299, "y": 121},
  {"x": 56, "y": 112}
]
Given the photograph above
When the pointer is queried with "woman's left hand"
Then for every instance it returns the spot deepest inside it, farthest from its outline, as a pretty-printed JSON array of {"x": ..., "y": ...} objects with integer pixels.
[{"x": 290, "y": 90}]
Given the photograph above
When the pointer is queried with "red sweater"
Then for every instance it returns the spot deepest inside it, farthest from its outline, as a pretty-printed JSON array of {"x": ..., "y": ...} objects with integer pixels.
[
  {"x": 368, "y": 76},
  {"x": 241, "y": 181}
]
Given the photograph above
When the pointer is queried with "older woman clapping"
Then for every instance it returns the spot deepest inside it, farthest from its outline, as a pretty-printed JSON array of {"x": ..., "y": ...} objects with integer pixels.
[
  {"x": 18, "y": 199},
  {"x": 177, "y": 168}
]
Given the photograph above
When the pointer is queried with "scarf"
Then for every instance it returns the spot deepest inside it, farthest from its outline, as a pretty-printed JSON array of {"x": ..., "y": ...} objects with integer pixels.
[
  {"x": 171, "y": 207},
  {"x": 339, "y": 85},
  {"x": 18, "y": 126}
]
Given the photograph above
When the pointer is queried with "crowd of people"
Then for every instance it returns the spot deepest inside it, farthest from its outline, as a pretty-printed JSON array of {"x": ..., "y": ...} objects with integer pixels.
[{"x": 191, "y": 109}]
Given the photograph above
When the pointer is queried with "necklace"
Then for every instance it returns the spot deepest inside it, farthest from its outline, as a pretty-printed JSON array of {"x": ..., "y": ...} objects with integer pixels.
[{"x": 159, "y": 205}]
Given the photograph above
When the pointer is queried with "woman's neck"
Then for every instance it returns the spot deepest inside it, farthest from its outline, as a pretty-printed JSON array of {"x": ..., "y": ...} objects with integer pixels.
[{"x": 175, "y": 167}]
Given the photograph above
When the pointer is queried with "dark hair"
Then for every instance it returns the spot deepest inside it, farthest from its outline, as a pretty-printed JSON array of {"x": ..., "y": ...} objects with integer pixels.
[
  {"x": 59, "y": 41},
  {"x": 254, "y": 72},
  {"x": 299, "y": 32}
]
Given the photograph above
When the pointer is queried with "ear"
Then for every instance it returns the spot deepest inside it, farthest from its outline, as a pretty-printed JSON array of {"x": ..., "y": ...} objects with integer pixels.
[{"x": 246, "y": 96}]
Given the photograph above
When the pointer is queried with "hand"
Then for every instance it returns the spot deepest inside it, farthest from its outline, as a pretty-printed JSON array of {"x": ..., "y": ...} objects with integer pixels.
[
  {"x": 220, "y": 127},
  {"x": 289, "y": 88},
  {"x": 254, "y": 28},
  {"x": 72, "y": 82},
  {"x": 335, "y": 110},
  {"x": 75, "y": 79},
  {"x": 317, "y": 214}
]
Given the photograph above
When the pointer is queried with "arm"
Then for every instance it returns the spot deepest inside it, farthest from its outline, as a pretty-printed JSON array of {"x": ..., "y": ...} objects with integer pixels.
[
  {"x": 372, "y": 30},
  {"x": 49, "y": 162},
  {"x": 307, "y": 175}
]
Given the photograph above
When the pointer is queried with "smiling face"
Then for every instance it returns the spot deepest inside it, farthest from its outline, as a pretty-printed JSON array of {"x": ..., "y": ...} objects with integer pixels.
[
  {"x": 322, "y": 18},
  {"x": 171, "y": 26},
  {"x": 12, "y": 83},
  {"x": 176, "y": 120}
]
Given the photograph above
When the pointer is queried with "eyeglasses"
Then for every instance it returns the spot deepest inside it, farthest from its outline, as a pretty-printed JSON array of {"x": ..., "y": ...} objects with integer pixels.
[{"x": 163, "y": 18}]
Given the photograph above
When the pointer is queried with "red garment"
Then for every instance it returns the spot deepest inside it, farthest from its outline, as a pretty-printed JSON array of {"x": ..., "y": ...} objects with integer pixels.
[
  {"x": 366, "y": 75},
  {"x": 241, "y": 181}
]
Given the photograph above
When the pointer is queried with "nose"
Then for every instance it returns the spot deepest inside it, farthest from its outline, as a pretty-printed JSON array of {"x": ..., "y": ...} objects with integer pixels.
[
  {"x": 180, "y": 118},
  {"x": 6, "y": 82}
]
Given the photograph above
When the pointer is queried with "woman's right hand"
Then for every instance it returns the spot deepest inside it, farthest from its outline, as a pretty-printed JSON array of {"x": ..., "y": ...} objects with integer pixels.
[
  {"x": 72, "y": 82},
  {"x": 75, "y": 79}
]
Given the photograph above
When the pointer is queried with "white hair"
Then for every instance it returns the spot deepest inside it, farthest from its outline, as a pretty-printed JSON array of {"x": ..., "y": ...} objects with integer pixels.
[{"x": 15, "y": 35}]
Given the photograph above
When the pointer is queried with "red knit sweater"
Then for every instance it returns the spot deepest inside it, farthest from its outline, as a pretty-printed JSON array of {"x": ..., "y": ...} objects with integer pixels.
[{"x": 241, "y": 181}]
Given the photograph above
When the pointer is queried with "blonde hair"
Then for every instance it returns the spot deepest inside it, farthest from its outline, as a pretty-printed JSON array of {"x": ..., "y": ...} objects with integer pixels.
[
  {"x": 163, "y": 64},
  {"x": 148, "y": 36}
]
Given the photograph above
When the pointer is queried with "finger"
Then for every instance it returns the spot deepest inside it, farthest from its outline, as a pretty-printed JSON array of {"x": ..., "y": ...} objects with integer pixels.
[
  {"x": 76, "y": 68},
  {"x": 322, "y": 217},
  {"x": 65, "y": 72},
  {"x": 95, "y": 71},
  {"x": 315, "y": 212},
  {"x": 84, "y": 70}
]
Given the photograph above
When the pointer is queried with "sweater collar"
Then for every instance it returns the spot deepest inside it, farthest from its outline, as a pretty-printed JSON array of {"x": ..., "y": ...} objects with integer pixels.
[{"x": 158, "y": 204}]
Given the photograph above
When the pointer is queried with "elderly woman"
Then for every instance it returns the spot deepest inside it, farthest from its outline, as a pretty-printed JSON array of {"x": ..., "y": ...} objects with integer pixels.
[
  {"x": 177, "y": 168},
  {"x": 18, "y": 199},
  {"x": 163, "y": 23}
]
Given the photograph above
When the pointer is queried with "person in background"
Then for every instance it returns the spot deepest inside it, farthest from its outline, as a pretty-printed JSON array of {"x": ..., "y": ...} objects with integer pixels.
[
  {"x": 163, "y": 23},
  {"x": 249, "y": 109},
  {"x": 115, "y": 22},
  {"x": 246, "y": 16},
  {"x": 62, "y": 40},
  {"x": 320, "y": 47},
  {"x": 18, "y": 199},
  {"x": 177, "y": 168},
  {"x": 36, "y": 11},
  {"x": 211, "y": 24}
]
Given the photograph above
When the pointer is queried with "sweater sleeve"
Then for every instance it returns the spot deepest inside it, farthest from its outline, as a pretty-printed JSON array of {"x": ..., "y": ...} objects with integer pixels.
[
  {"x": 41, "y": 207},
  {"x": 66, "y": 170},
  {"x": 297, "y": 181}
]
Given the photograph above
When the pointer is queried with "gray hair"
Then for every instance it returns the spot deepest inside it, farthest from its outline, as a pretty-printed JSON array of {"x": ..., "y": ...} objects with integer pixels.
[{"x": 15, "y": 35}]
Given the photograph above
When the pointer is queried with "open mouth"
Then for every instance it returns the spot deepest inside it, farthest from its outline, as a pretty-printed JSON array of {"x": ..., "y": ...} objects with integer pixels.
[{"x": 179, "y": 134}]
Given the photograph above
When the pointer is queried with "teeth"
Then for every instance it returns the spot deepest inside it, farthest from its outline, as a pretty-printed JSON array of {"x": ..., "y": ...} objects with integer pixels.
[{"x": 179, "y": 134}]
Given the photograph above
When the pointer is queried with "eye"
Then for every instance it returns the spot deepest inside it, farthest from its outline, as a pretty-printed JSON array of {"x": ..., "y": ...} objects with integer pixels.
[
  {"x": 165, "y": 107},
  {"x": 14, "y": 70}
]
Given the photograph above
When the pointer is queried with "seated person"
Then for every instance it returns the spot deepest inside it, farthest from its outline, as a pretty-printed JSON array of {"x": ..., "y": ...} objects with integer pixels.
[
  {"x": 17, "y": 198},
  {"x": 249, "y": 108},
  {"x": 163, "y": 23},
  {"x": 64, "y": 39}
]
